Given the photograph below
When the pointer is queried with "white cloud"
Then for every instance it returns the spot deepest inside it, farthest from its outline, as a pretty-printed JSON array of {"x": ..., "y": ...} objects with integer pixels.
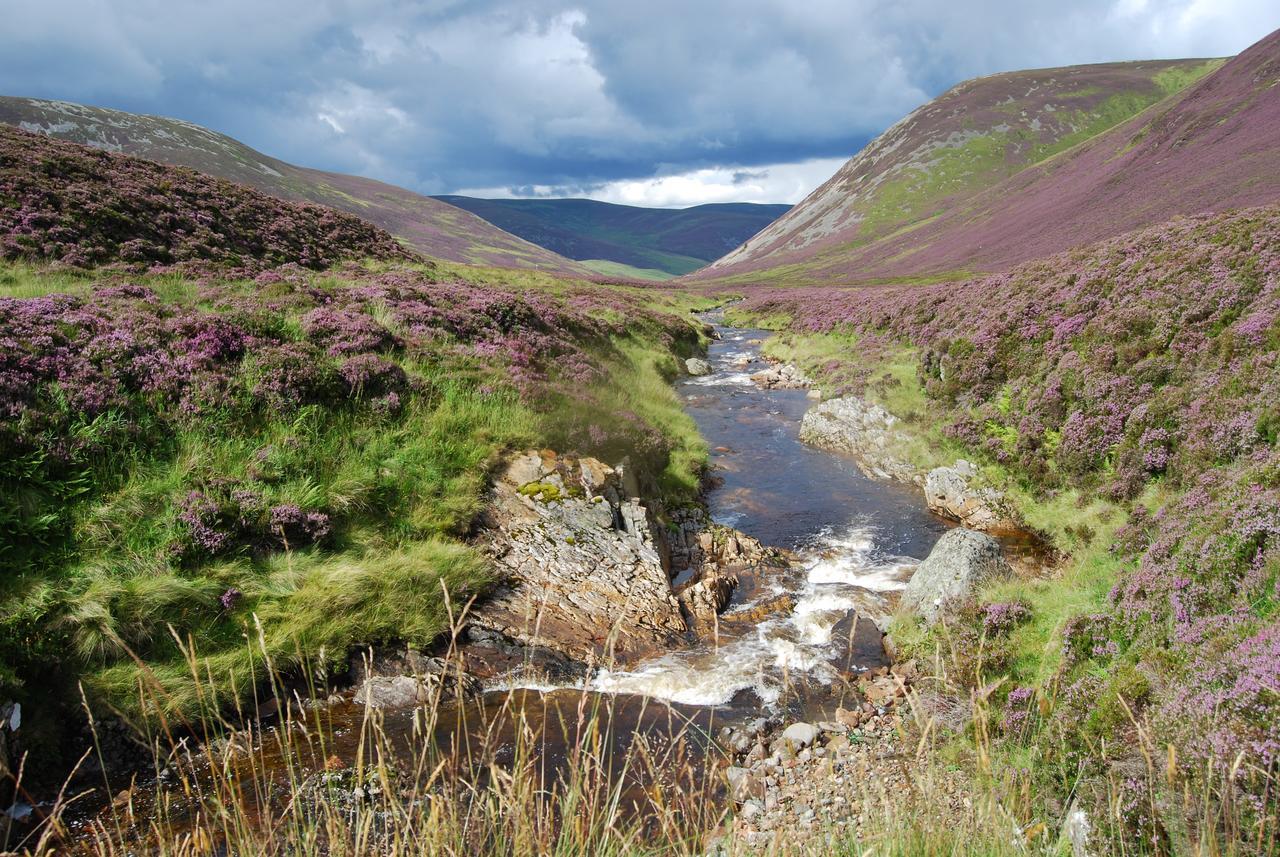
[{"x": 775, "y": 183}]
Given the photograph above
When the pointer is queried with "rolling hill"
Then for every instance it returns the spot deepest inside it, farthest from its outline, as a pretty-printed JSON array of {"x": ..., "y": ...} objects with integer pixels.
[
  {"x": 1002, "y": 169},
  {"x": 426, "y": 224},
  {"x": 81, "y": 206},
  {"x": 664, "y": 241}
]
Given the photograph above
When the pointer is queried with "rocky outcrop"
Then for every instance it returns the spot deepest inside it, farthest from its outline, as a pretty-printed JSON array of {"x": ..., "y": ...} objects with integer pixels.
[
  {"x": 781, "y": 376},
  {"x": 581, "y": 562},
  {"x": 705, "y": 599},
  {"x": 949, "y": 492},
  {"x": 865, "y": 431},
  {"x": 710, "y": 557},
  {"x": 697, "y": 366},
  {"x": 961, "y": 563}
]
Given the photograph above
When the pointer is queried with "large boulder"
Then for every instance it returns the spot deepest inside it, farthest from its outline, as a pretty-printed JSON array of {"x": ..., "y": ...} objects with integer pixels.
[
  {"x": 949, "y": 492},
  {"x": 697, "y": 366},
  {"x": 961, "y": 563},
  {"x": 865, "y": 431}
]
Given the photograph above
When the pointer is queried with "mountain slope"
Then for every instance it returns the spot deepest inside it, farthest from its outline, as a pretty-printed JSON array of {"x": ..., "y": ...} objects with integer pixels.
[
  {"x": 81, "y": 206},
  {"x": 426, "y": 224},
  {"x": 941, "y": 157},
  {"x": 673, "y": 240}
]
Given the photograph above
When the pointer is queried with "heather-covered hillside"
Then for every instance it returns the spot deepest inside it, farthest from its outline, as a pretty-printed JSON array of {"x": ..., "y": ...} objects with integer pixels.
[
  {"x": 945, "y": 153},
  {"x": 425, "y": 224},
  {"x": 80, "y": 206},
  {"x": 1128, "y": 393},
  {"x": 670, "y": 240}
]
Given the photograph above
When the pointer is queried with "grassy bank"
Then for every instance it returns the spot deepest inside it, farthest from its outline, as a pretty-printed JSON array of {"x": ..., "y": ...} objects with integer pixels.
[{"x": 193, "y": 461}]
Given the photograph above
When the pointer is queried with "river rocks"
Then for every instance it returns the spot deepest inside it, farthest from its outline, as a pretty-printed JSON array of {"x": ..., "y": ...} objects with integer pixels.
[
  {"x": 405, "y": 678},
  {"x": 961, "y": 563},
  {"x": 744, "y": 784},
  {"x": 706, "y": 598},
  {"x": 583, "y": 572},
  {"x": 865, "y": 431},
  {"x": 857, "y": 644},
  {"x": 488, "y": 655},
  {"x": 781, "y": 376},
  {"x": 845, "y": 777},
  {"x": 393, "y": 692},
  {"x": 697, "y": 366},
  {"x": 949, "y": 492},
  {"x": 800, "y": 735},
  {"x": 777, "y": 605}
]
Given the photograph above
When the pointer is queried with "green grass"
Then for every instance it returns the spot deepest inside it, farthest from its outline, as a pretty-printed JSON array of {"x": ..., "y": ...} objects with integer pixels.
[
  {"x": 618, "y": 269},
  {"x": 403, "y": 489},
  {"x": 1173, "y": 80}
]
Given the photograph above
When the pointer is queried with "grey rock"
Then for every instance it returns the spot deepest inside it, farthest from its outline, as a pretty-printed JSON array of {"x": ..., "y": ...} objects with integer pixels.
[
  {"x": 744, "y": 784},
  {"x": 782, "y": 376},
  {"x": 404, "y": 678},
  {"x": 865, "y": 431},
  {"x": 697, "y": 366},
  {"x": 393, "y": 692},
  {"x": 800, "y": 735},
  {"x": 949, "y": 492},
  {"x": 961, "y": 563}
]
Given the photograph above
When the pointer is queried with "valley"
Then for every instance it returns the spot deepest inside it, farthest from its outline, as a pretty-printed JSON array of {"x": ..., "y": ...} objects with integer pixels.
[{"x": 938, "y": 513}]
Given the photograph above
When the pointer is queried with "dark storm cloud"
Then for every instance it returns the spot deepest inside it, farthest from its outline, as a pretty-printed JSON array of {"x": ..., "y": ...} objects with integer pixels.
[{"x": 550, "y": 94}]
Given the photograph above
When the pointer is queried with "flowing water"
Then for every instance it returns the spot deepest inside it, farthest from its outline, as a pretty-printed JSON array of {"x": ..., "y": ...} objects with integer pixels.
[{"x": 852, "y": 535}]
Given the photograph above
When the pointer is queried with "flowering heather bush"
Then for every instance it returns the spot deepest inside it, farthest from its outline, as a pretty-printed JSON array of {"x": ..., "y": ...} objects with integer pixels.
[
  {"x": 350, "y": 332},
  {"x": 1001, "y": 617},
  {"x": 1016, "y": 716},
  {"x": 64, "y": 202},
  {"x": 227, "y": 516}
]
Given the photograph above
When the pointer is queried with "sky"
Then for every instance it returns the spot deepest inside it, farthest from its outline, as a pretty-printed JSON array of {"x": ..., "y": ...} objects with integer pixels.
[{"x": 644, "y": 102}]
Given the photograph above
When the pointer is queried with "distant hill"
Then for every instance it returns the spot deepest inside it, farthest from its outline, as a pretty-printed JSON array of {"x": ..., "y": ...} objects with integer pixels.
[
  {"x": 425, "y": 224},
  {"x": 1014, "y": 166},
  {"x": 70, "y": 203},
  {"x": 670, "y": 240}
]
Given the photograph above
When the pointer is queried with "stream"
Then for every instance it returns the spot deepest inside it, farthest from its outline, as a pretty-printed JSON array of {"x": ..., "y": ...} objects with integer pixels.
[{"x": 853, "y": 537}]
